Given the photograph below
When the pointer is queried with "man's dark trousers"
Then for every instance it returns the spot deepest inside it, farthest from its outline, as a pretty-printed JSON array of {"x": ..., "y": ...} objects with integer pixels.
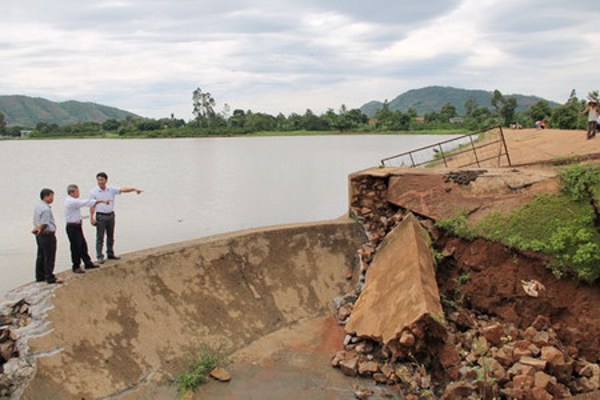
[
  {"x": 105, "y": 224},
  {"x": 79, "y": 248},
  {"x": 46, "y": 254}
]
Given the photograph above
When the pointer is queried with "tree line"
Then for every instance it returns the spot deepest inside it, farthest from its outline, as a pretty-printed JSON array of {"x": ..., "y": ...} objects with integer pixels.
[{"x": 207, "y": 121}]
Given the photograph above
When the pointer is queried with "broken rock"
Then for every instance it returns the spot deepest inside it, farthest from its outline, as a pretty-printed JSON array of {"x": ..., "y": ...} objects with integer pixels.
[
  {"x": 220, "y": 374},
  {"x": 379, "y": 311}
]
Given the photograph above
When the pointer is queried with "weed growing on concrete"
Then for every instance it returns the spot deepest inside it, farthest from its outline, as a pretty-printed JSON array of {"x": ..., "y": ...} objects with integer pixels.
[{"x": 202, "y": 363}]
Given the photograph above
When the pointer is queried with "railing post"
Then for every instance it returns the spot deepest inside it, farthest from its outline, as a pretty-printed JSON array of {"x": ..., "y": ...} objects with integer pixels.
[
  {"x": 505, "y": 146},
  {"x": 474, "y": 151},
  {"x": 443, "y": 156}
]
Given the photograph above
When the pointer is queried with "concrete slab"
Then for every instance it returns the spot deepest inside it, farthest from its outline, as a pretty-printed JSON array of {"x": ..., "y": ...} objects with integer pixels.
[
  {"x": 133, "y": 323},
  {"x": 400, "y": 288}
]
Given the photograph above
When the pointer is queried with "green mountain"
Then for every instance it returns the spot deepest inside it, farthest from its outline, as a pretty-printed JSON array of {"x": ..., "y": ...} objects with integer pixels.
[
  {"x": 432, "y": 98},
  {"x": 29, "y": 111}
]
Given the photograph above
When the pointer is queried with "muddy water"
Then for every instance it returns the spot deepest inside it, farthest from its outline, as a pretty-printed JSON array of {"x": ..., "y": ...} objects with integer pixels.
[{"x": 193, "y": 187}]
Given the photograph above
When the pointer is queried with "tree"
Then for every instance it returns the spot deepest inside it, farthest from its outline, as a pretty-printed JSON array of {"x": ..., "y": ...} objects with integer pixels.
[
  {"x": 392, "y": 120},
  {"x": 237, "y": 120},
  {"x": 447, "y": 111},
  {"x": 148, "y": 124},
  {"x": 497, "y": 101},
  {"x": 384, "y": 112},
  {"x": 311, "y": 122},
  {"x": 539, "y": 111},
  {"x": 507, "y": 110},
  {"x": 110, "y": 125},
  {"x": 256, "y": 122},
  {"x": 2, "y": 123},
  {"x": 567, "y": 115},
  {"x": 331, "y": 118},
  {"x": 226, "y": 112},
  {"x": 204, "y": 105},
  {"x": 470, "y": 106}
]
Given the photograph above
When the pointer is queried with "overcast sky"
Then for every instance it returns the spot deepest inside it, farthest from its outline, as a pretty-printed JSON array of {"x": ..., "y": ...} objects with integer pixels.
[{"x": 148, "y": 56}]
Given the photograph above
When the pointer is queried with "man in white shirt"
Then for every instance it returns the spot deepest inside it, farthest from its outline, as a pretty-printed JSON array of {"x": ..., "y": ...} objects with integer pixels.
[
  {"x": 593, "y": 111},
  {"x": 79, "y": 248},
  {"x": 102, "y": 216}
]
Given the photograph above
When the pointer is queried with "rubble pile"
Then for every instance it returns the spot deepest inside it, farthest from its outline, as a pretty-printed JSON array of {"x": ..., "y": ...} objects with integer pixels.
[
  {"x": 11, "y": 318},
  {"x": 480, "y": 356},
  {"x": 376, "y": 214}
]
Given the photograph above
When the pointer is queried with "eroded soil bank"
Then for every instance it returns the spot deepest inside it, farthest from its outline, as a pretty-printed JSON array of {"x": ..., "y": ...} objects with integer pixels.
[
  {"x": 513, "y": 329},
  {"x": 494, "y": 286}
]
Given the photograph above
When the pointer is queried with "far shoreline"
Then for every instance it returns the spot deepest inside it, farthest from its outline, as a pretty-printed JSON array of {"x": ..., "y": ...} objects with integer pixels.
[{"x": 110, "y": 135}]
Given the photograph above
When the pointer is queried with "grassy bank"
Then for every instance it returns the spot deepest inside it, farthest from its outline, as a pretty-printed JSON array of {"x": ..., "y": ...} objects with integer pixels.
[{"x": 565, "y": 226}]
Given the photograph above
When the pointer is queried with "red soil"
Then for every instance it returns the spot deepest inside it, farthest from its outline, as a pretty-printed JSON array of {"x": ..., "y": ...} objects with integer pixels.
[{"x": 495, "y": 287}]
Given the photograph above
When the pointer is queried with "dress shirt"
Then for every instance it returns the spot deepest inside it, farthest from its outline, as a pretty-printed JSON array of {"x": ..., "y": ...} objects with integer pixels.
[
  {"x": 73, "y": 206},
  {"x": 42, "y": 215},
  {"x": 108, "y": 193}
]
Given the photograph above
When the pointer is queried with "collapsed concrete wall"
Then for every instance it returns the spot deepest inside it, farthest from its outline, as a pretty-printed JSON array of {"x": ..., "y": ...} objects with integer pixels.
[
  {"x": 136, "y": 321},
  {"x": 401, "y": 292}
]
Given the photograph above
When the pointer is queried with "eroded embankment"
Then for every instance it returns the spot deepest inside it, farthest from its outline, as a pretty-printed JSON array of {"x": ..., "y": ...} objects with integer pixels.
[
  {"x": 134, "y": 322},
  {"x": 505, "y": 338}
]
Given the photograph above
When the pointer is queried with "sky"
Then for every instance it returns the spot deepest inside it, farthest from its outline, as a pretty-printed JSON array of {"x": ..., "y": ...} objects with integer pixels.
[{"x": 148, "y": 56}]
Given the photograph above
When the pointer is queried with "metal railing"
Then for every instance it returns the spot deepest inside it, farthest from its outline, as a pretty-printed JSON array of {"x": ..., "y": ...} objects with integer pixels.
[{"x": 484, "y": 148}]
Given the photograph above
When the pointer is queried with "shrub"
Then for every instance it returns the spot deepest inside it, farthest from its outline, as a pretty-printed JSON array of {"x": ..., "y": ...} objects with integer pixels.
[{"x": 202, "y": 363}]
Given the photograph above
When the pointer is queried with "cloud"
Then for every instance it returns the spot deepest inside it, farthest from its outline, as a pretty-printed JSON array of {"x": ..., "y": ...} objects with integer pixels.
[{"x": 147, "y": 56}]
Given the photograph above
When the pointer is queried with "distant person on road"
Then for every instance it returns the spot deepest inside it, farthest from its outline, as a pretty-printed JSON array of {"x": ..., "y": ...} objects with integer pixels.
[
  {"x": 79, "y": 248},
  {"x": 593, "y": 112},
  {"x": 44, "y": 229},
  {"x": 102, "y": 216}
]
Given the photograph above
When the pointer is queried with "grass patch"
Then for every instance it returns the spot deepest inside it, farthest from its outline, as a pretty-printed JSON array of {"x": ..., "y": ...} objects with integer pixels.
[
  {"x": 201, "y": 364},
  {"x": 564, "y": 225}
]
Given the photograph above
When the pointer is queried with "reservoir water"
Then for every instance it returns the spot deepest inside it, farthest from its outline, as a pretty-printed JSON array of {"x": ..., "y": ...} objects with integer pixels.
[{"x": 192, "y": 187}]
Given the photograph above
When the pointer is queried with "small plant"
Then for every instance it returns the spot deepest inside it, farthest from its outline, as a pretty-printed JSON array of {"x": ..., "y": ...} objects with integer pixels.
[
  {"x": 463, "y": 279},
  {"x": 203, "y": 362},
  {"x": 437, "y": 256},
  {"x": 458, "y": 225},
  {"x": 581, "y": 181},
  {"x": 451, "y": 303}
]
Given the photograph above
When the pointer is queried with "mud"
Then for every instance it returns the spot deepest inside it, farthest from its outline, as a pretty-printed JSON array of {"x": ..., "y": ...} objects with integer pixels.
[{"x": 494, "y": 287}]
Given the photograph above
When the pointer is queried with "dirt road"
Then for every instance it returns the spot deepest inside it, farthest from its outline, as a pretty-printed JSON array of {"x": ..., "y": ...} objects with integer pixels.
[{"x": 531, "y": 145}]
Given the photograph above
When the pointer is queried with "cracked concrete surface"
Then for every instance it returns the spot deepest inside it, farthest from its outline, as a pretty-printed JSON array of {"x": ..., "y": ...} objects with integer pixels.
[{"x": 134, "y": 322}]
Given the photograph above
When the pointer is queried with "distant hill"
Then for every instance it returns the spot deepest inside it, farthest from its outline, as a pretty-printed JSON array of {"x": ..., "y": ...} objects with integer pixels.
[
  {"x": 29, "y": 111},
  {"x": 432, "y": 98}
]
